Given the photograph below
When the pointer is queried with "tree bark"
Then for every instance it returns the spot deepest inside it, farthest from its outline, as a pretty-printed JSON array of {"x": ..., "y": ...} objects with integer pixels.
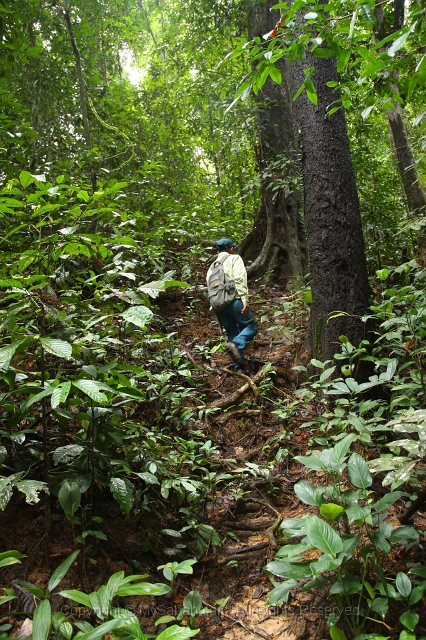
[
  {"x": 332, "y": 216},
  {"x": 415, "y": 199},
  {"x": 277, "y": 242}
]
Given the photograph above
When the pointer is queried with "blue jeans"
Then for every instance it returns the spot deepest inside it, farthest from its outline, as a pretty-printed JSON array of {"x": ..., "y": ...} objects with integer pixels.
[{"x": 240, "y": 328}]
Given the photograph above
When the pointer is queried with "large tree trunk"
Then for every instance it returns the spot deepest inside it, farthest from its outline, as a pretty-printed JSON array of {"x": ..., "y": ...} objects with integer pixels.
[
  {"x": 277, "y": 243},
  {"x": 332, "y": 216},
  {"x": 415, "y": 199}
]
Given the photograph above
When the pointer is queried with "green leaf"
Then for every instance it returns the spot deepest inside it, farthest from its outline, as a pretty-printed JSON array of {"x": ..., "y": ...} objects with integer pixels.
[
  {"x": 364, "y": 115},
  {"x": 409, "y": 620},
  {"x": 347, "y": 585},
  {"x": 358, "y": 472},
  {"x": 309, "y": 494},
  {"x": 7, "y": 353},
  {"x": 58, "y": 347},
  {"x": 343, "y": 58},
  {"x": 144, "y": 589},
  {"x": 83, "y": 195},
  {"x": 336, "y": 634},
  {"x": 69, "y": 497},
  {"x": 105, "y": 628},
  {"x": 340, "y": 449},
  {"x": 76, "y": 596},
  {"x": 164, "y": 620},
  {"x": 26, "y": 179},
  {"x": 284, "y": 569},
  {"x": 41, "y": 621},
  {"x": 322, "y": 536},
  {"x": 280, "y": 594},
  {"x": 66, "y": 629},
  {"x": 312, "y": 15},
  {"x": 61, "y": 571},
  {"x": 31, "y": 489},
  {"x": 331, "y": 511},
  {"x": 60, "y": 394},
  {"x": 417, "y": 593},
  {"x": 92, "y": 389},
  {"x": 380, "y": 541},
  {"x": 186, "y": 566},
  {"x": 325, "y": 563},
  {"x": 192, "y": 603},
  {"x": 10, "y": 557},
  {"x": 356, "y": 513},
  {"x": 398, "y": 43},
  {"x": 275, "y": 74},
  {"x": 321, "y": 52},
  {"x": 310, "y": 90},
  {"x": 65, "y": 454},
  {"x": 177, "y": 633},
  {"x": 140, "y": 316},
  {"x": 38, "y": 396},
  {"x": 122, "y": 490},
  {"x": 403, "y": 584},
  {"x": 418, "y": 570},
  {"x": 387, "y": 500},
  {"x": 367, "y": 14},
  {"x": 11, "y": 554},
  {"x": 314, "y": 461}
]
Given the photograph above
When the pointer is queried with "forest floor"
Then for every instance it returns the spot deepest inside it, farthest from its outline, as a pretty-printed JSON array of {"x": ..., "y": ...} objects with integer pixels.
[{"x": 248, "y": 523}]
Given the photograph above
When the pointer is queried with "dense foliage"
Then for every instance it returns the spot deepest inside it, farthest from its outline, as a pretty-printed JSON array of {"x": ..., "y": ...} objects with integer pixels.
[{"x": 109, "y": 197}]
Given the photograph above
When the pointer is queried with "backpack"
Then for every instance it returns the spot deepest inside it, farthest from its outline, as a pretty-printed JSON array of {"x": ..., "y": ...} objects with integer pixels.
[{"x": 221, "y": 291}]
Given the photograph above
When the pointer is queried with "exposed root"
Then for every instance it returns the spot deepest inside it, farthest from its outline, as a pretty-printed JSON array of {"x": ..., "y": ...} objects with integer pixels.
[
  {"x": 244, "y": 377},
  {"x": 240, "y": 550},
  {"x": 234, "y": 397},
  {"x": 272, "y": 542},
  {"x": 241, "y": 413},
  {"x": 249, "y": 526}
]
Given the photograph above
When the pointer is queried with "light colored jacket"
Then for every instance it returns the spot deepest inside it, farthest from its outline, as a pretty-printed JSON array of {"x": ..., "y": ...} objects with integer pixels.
[{"x": 235, "y": 270}]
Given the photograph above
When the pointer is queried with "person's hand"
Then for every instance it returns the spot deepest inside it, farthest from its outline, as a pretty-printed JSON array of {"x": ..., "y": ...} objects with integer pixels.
[{"x": 245, "y": 309}]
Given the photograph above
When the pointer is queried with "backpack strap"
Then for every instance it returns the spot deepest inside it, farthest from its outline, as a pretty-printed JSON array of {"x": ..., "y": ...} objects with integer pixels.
[{"x": 222, "y": 260}]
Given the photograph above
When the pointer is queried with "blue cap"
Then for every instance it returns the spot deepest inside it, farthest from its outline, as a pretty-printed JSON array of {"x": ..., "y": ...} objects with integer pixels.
[{"x": 225, "y": 243}]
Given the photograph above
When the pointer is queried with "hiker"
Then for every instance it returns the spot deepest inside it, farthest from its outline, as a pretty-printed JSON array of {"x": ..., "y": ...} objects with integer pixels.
[{"x": 228, "y": 295}]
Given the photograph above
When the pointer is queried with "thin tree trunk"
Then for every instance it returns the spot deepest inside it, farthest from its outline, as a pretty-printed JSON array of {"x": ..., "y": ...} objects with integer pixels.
[
  {"x": 34, "y": 95},
  {"x": 83, "y": 102},
  {"x": 332, "y": 216},
  {"x": 415, "y": 198}
]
